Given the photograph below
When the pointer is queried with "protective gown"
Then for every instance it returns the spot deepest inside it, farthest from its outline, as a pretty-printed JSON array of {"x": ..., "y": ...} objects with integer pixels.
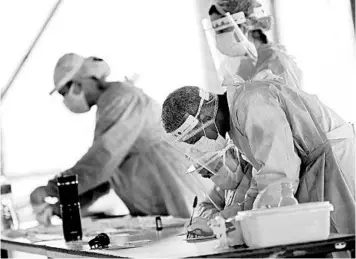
[
  {"x": 285, "y": 133},
  {"x": 274, "y": 57},
  {"x": 129, "y": 153}
]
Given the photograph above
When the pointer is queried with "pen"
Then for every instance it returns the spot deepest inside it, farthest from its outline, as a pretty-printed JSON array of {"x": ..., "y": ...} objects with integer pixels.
[{"x": 191, "y": 216}]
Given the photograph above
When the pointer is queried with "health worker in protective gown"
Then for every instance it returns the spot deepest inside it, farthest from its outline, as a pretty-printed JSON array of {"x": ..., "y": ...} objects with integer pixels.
[
  {"x": 128, "y": 153},
  {"x": 285, "y": 134},
  {"x": 244, "y": 35}
]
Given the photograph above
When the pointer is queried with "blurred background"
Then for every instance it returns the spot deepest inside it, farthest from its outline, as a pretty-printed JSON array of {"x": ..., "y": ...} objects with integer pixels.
[{"x": 162, "y": 41}]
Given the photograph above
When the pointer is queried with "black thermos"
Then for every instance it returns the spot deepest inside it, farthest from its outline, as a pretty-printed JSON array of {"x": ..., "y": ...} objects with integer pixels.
[{"x": 70, "y": 207}]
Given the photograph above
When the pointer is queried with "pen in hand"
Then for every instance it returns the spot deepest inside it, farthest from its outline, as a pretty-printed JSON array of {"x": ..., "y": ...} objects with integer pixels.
[{"x": 191, "y": 216}]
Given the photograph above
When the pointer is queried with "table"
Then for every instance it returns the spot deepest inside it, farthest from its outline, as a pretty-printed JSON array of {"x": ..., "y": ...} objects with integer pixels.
[{"x": 167, "y": 244}]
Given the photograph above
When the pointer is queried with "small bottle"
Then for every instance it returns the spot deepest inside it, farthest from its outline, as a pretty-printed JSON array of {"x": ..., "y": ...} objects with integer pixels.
[
  {"x": 70, "y": 207},
  {"x": 287, "y": 197},
  {"x": 9, "y": 218},
  {"x": 159, "y": 225}
]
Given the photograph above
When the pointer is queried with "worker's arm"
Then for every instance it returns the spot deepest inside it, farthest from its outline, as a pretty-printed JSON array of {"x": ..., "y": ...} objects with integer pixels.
[
  {"x": 124, "y": 121},
  {"x": 87, "y": 199},
  {"x": 231, "y": 206},
  {"x": 269, "y": 136},
  {"x": 206, "y": 208},
  {"x": 235, "y": 200}
]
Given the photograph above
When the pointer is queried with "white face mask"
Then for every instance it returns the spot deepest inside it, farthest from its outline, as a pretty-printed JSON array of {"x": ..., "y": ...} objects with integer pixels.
[
  {"x": 219, "y": 163},
  {"x": 226, "y": 179},
  {"x": 228, "y": 45},
  {"x": 76, "y": 102},
  {"x": 205, "y": 144}
]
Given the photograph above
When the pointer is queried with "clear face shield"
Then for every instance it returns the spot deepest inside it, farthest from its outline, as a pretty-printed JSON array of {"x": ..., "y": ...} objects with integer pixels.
[
  {"x": 225, "y": 37},
  {"x": 227, "y": 41}
]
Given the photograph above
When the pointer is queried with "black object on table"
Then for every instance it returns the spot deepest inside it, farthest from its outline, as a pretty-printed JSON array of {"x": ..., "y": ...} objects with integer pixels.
[
  {"x": 159, "y": 225},
  {"x": 70, "y": 207},
  {"x": 100, "y": 241}
]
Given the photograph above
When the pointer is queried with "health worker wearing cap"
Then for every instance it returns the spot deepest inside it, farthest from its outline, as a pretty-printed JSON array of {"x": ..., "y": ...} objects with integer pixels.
[
  {"x": 239, "y": 27},
  {"x": 128, "y": 151},
  {"x": 285, "y": 134}
]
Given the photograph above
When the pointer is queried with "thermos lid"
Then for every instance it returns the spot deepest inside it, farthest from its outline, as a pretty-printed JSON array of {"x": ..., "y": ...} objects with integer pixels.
[
  {"x": 68, "y": 189},
  {"x": 68, "y": 179},
  {"x": 5, "y": 188}
]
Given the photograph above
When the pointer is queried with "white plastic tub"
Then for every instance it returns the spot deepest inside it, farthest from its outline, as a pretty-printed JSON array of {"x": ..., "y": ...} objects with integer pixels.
[{"x": 291, "y": 224}]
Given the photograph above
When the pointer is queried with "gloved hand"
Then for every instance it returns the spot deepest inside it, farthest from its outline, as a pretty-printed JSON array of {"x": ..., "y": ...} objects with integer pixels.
[
  {"x": 44, "y": 213},
  {"x": 199, "y": 227},
  {"x": 230, "y": 211},
  {"x": 38, "y": 195},
  {"x": 43, "y": 210}
]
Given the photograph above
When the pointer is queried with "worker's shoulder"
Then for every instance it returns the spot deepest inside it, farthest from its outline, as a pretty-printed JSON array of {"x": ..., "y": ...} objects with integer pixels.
[
  {"x": 126, "y": 92},
  {"x": 273, "y": 48},
  {"x": 118, "y": 95},
  {"x": 256, "y": 92},
  {"x": 280, "y": 54},
  {"x": 274, "y": 52},
  {"x": 123, "y": 88}
]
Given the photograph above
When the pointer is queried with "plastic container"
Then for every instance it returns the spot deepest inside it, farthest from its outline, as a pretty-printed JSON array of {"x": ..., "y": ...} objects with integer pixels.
[
  {"x": 285, "y": 225},
  {"x": 9, "y": 219}
]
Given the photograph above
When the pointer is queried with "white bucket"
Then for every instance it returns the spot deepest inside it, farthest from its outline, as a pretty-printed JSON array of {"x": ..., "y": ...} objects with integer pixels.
[{"x": 284, "y": 225}]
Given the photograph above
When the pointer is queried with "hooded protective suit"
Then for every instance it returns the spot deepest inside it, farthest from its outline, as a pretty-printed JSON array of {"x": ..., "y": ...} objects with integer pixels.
[
  {"x": 286, "y": 133},
  {"x": 269, "y": 55},
  {"x": 274, "y": 57}
]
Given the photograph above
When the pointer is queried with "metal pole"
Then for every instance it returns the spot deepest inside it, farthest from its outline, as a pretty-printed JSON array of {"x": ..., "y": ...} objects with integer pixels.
[
  {"x": 1, "y": 152},
  {"x": 20, "y": 66},
  {"x": 16, "y": 72},
  {"x": 276, "y": 33},
  {"x": 353, "y": 9}
]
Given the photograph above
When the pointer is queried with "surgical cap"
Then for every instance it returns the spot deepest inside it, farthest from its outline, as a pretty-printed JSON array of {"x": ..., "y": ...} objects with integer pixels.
[
  {"x": 247, "y": 7},
  {"x": 185, "y": 100},
  {"x": 70, "y": 65}
]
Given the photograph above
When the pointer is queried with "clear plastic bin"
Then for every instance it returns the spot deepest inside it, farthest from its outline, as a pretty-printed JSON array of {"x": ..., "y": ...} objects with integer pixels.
[{"x": 284, "y": 225}]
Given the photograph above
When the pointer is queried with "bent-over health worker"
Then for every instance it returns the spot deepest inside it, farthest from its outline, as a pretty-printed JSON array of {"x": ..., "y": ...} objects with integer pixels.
[
  {"x": 242, "y": 40},
  {"x": 128, "y": 153},
  {"x": 284, "y": 134}
]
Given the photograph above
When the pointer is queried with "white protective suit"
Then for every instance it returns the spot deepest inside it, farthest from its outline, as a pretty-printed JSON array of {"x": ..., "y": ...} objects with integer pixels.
[
  {"x": 128, "y": 151},
  {"x": 286, "y": 133},
  {"x": 274, "y": 57}
]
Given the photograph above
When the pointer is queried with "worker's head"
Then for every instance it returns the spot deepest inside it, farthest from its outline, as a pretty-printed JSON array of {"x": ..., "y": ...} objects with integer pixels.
[
  {"x": 80, "y": 81},
  {"x": 250, "y": 23},
  {"x": 196, "y": 122},
  {"x": 190, "y": 113}
]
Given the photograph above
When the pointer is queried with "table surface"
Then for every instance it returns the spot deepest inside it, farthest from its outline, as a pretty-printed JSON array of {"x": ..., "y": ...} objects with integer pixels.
[{"x": 167, "y": 244}]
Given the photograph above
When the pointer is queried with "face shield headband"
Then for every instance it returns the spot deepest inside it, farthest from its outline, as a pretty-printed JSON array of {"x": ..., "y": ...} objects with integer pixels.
[
  {"x": 189, "y": 127},
  {"x": 239, "y": 18}
]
